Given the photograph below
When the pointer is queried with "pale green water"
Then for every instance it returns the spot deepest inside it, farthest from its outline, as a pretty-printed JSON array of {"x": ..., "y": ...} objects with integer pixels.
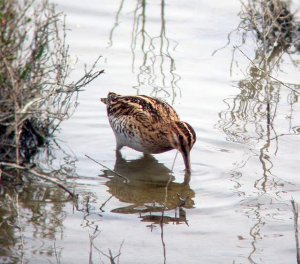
[{"x": 244, "y": 172}]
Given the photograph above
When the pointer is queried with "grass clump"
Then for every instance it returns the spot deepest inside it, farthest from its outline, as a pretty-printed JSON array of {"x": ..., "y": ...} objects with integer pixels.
[{"x": 34, "y": 65}]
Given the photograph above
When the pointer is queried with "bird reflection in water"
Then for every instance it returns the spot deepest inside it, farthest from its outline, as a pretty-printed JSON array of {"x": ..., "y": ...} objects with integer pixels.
[{"x": 150, "y": 190}]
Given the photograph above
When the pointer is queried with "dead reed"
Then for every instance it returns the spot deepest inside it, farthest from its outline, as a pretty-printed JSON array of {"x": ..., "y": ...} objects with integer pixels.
[
  {"x": 296, "y": 216},
  {"x": 273, "y": 27},
  {"x": 35, "y": 96},
  {"x": 272, "y": 22}
]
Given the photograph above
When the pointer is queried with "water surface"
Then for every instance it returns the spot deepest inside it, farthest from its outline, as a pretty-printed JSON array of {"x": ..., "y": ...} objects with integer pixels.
[{"x": 236, "y": 208}]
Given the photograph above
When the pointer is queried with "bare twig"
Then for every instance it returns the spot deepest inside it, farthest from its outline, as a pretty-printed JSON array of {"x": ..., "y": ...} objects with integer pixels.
[
  {"x": 39, "y": 175},
  {"x": 162, "y": 235},
  {"x": 266, "y": 73},
  {"x": 110, "y": 255},
  {"x": 296, "y": 215},
  {"x": 57, "y": 255},
  {"x": 91, "y": 237},
  {"x": 20, "y": 228},
  {"x": 118, "y": 174},
  {"x": 120, "y": 251},
  {"x": 103, "y": 204},
  {"x": 33, "y": 51}
]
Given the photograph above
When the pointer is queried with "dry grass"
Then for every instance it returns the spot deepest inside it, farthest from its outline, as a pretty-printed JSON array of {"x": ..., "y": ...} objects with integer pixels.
[
  {"x": 271, "y": 25},
  {"x": 272, "y": 22},
  {"x": 34, "y": 66},
  {"x": 296, "y": 216}
]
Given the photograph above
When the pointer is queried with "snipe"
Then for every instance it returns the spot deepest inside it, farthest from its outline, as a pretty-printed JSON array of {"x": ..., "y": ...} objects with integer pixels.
[{"x": 148, "y": 125}]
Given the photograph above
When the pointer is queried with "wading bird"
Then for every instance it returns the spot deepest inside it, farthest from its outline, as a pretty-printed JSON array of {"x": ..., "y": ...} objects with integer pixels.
[{"x": 148, "y": 125}]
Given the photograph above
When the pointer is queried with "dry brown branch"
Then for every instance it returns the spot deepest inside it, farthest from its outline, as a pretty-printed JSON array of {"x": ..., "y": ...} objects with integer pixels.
[
  {"x": 271, "y": 24},
  {"x": 296, "y": 215},
  {"x": 118, "y": 174},
  {"x": 35, "y": 96},
  {"x": 266, "y": 73},
  {"x": 274, "y": 29},
  {"x": 109, "y": 256},
  {"x": 20, "y": 228},
  {"x": 271, "y": 21},
  {"x": 103, "y": 204},
  {"x": 39, "y": 175}
]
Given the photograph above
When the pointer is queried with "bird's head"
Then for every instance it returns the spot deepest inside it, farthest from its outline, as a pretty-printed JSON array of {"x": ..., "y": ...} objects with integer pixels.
[{"x": 183, "y": 138}]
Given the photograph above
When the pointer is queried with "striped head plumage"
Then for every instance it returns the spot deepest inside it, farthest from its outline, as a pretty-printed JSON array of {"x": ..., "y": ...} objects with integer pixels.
[{"x": 148, "y": 125}]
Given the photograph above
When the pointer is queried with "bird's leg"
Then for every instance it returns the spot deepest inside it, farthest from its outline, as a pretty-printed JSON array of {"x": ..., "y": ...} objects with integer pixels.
[
  {"x": 187, "y": 178},
  {"x": 147, "y": 155},
  {"x": 118, "y": 150},
  {"x": 118, "y": 154}
]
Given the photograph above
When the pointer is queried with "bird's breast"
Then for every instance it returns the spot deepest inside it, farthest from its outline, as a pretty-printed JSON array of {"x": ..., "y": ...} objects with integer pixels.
[{"x": 137, "y": 136}]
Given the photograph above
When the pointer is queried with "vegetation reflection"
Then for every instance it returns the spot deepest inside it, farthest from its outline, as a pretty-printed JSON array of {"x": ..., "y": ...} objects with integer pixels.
[
  {"x": 152, "y": 59},
  {"x": 252, "y": 115},
  {"x": 29, "y": 217}
]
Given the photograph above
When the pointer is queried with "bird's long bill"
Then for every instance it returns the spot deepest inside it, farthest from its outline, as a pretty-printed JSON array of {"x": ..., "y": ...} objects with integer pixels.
[{"x": 187, "y": 162}]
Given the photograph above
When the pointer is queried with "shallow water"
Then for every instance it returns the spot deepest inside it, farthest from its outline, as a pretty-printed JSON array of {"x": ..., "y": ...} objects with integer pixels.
[{"x": 237, "y": 206}]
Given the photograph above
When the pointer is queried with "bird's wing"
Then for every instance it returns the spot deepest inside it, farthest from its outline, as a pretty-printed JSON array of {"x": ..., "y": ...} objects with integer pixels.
[
  {"x": 142, "y": 108},
  {"x": 158, "y": 109}
]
